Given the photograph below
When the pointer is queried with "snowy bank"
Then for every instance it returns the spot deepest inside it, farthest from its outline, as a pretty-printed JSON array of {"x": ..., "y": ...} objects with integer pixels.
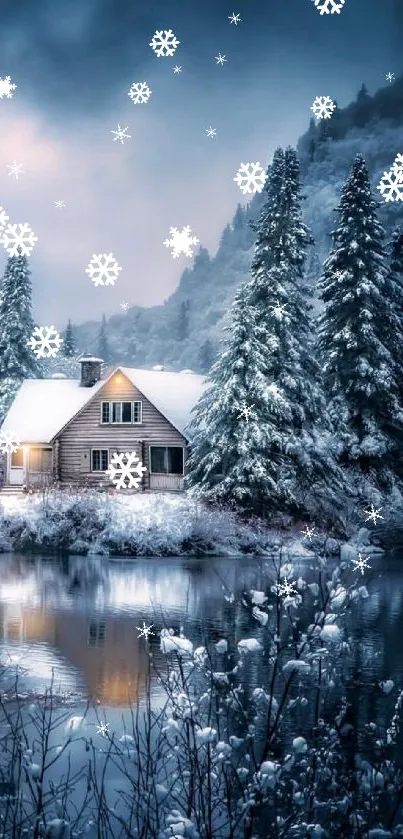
[{"x": 127, "y": 525}]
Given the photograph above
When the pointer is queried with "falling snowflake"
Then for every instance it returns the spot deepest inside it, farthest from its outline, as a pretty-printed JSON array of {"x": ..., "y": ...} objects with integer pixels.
[
  {"x": 103, "y": 728},
  {"x": 234, "y": 18},
  {"x": 361, "y": 564},
  {"x": 309, "y": 532},
  {"x": 390, "y": 186},
  {"x": 181, "y": 241},
  {"x": 211, "y": 132},
  {"x": 398, "y": 167},
  {"x": 121, "y": 134},
  {"x": 323, "y": 107},
  {"x": 177, "y": 69},
  {"x": 15, "y": 169},
  {"x": 124, "y": 306},
  {"x": 139, "y": 93},
  {"x": 278, "y": 311},
  {"x": 125, "y": 470},
  {"x": 286, "y": 588},
  {"x": 389, "y": 77},
  {"x": 60, "y": 204},
  {"x": 7, "y": 87},
  {"x": 164, "y": 43},
  {"x": 245, "y": 411},
  {"x": 250, "y": 177},
  {"x": 338, "y": 275},
  {"x": 45, "y": 342},
  {"x": 3, "y": 218},
  {"x": 329, "y": 7},
  {"x": 220, "y": 59},
  {"x": 103, "y": 266},
  {"x": 373, "y": 514},
  {"x": 145, "y": 630},
  {"x": 9, "y": 442},
  {"x": 23, "y": 238}
]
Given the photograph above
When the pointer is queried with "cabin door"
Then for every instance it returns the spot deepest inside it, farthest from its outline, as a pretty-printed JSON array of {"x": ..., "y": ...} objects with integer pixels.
[{"x": 16, "y": 471}]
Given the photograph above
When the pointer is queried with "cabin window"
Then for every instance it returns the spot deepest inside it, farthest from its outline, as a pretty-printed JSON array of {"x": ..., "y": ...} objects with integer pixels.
[
  {"x": 167, "y": 460},
  {"x": 99, "y": 460},
  {"x": 121, "y": 413},
  {"x": 17, "y": 458}
]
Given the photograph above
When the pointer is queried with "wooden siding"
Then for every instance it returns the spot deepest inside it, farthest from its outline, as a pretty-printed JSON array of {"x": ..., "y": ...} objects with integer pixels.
[{"x": 86, "y": 432}]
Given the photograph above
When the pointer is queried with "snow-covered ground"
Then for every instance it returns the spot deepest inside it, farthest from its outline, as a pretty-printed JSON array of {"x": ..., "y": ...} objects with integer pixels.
[{"x": 142, "y": 525}]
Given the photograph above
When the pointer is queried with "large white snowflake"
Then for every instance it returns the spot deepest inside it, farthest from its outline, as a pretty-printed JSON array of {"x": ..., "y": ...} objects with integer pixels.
[
  {"x": 3, "y": 218},
  {"x": 45, "y": 342},
  {"x": 323, "y": 107},
  {"x": 181, "y": 241},
  {"x": 329, "y": 7},
  {"x": 125, "y": 470},
  {"x": 286, "y": 588},
  {"x": 250, "y": 177},
  {"x": 103, "y": 266},
  {"x": 245, "y": 411},
  {"x": 139, "y": 93},
  {"x": 398, "y": 167},
  {"x": 373, "y": 514},
  {"x": 391, "y": 186},
  {"x": 6, "y": 87},
  {"x": 164, "y": 42},
  {"x": 17, "y": 236},
  {"x": 360, "y": 564},
  {"x": 8, "y": 442}
]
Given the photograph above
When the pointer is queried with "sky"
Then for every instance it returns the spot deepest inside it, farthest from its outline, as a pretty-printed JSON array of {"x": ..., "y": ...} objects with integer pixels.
[{"x": 74, "y": 61}]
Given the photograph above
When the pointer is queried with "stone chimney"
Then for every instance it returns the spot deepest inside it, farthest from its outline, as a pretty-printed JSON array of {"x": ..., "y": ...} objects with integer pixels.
[{"x": 90, "y": 370}]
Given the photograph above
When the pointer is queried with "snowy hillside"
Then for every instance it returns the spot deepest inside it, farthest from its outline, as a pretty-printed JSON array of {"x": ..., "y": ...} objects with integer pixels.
[{"x": 184, "y": 332}]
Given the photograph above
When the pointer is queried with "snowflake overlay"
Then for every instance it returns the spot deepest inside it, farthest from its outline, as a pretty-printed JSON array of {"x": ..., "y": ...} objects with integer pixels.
[
  {"x": 164, "y": 43},
  {"x": 323, "y": 107},
  {"x": 121, "y": 134},
  {"x": 309, "y": 532},
  {"x": 398, "y": 167},
  {"x": 139, "y": 93},
  {"x": 245, "y": 411},
  {"x": 103, "y": 266},
  {"x": 329, "y": 7},
  {"x": 145, "y": 630},
  {"x": 23, "y": 238},
  {"x": 45, "y": 342},
  {"x": 103, "y": 728},
  {"x": 391, "y": 185},
  {"x": 15, "y": 169},
  {"x": 6, "y": 87},
  {"x": 286, "y": 588},
  {"x": 181, "y": 241},
  {"x": 373, "y": 515},
  {"x": 360, "y": 564},
  {"x": 250, "y": 177},
  {"x": 9, "y": 442},
  {"x": 125, "y": 474}
]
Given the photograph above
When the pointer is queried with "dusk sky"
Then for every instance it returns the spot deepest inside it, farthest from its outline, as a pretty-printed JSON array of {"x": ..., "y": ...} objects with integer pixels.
[{"x": 73, "y": 62}]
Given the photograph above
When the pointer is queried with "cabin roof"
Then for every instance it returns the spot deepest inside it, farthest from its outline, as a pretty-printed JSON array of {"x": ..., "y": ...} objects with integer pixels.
[{"x": 43, "y": 407}]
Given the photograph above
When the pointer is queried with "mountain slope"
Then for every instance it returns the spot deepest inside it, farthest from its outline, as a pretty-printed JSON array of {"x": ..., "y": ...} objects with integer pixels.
[{"x": 174, "y": 333}]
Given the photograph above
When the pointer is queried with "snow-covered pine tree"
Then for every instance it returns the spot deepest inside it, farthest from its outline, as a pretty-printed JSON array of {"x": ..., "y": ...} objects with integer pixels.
[
  {"x": 231, "y": 430},
  {"x": 17, "y": 361},
  {"x": 353, "y": 331},
  {"x": 103, "y": 350},
  {"x": 395, "y": 295},
  {"x": 281, "y": 297},
  {"x": 69, "y": 345}
]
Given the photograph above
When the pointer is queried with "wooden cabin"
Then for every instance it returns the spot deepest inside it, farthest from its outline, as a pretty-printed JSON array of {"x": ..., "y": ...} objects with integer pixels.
[{"x": 69, "y": 429}]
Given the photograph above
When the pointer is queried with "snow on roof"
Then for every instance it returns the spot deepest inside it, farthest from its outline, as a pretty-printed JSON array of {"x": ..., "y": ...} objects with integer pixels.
[
  {"x": 173, "y": 394},
  {"x": 42, "y": 407}
]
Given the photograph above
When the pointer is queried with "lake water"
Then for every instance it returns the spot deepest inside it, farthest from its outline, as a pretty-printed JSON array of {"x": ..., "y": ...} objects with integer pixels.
[{"x": 79, "y": 616}]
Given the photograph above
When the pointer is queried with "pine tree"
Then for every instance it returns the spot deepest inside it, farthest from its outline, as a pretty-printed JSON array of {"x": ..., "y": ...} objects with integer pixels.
[
  {"x": 183, "y": 320},
  {"x": 103, "y": 350},
  {"x": 395, "y": 295},
  {"x": 229, "y": 444},
  {"x": 206, "y": 356},
  {"x": 17, "y": 361},
  {"x": 69, "y": 345},
  {"x": 354, "y": 327}
]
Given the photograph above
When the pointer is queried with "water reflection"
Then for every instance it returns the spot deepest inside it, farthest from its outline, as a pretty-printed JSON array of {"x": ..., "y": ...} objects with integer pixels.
[{"x": 79, "y": 617}]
